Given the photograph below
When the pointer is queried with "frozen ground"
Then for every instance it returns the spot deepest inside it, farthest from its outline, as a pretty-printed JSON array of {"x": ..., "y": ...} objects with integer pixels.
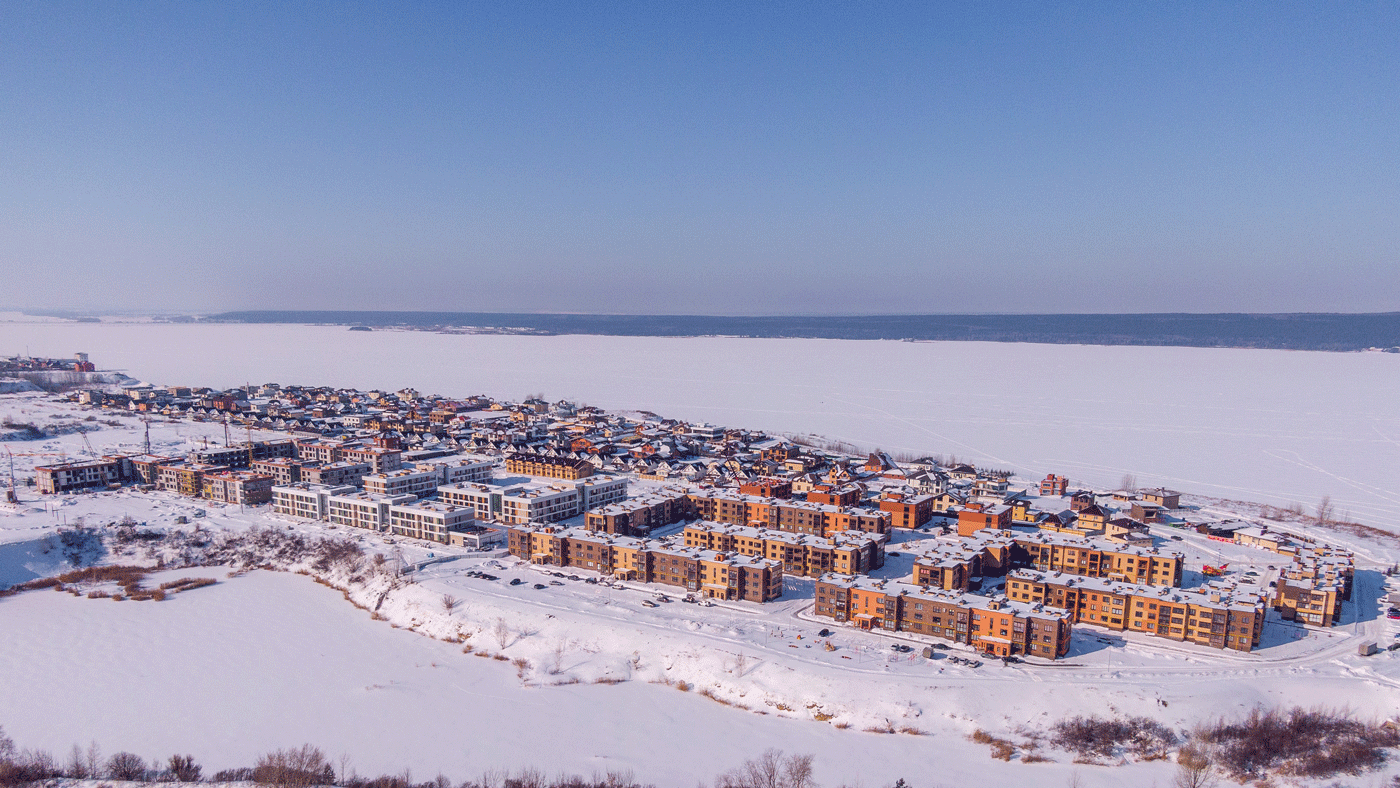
[{"x": 1271, "y": 426}]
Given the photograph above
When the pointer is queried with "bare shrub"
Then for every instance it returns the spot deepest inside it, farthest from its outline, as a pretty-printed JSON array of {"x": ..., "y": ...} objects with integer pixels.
[
  {"x": 126, "y": 766},
  {"x": 770, "y": 770},
  {"x": 502, "y": 632},
  {"x": 1195, "y": 768},
  {"x": 294, "y": 768},
  {"x": 1325, "y": 511},
  {"x": 184, "y": 769},
  {"x": 1315, "y": 743},
  {"x": 522, "y": 665},
  {"x": 449, "y": 603},
  {"x": 556, "y": 656},
  {"x": 1095, "y": 736}
]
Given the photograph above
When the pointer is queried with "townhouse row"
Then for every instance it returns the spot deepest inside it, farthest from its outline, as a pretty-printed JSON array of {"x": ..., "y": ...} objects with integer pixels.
[
  {"x": 783, "y": 515},
  {"x": 712, "y": 573},
  {"x": 1219, "y": 616},
  {"x": 992, "y": 625},
  {"x": 400, "y": 515}
]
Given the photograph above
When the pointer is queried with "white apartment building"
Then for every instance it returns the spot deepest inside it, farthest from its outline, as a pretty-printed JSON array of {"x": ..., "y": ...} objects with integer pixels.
[
  {"x": 418, "y": 483},
  {"x": 428, "y": 520},
  {"x": 534, "y": 502},
  {"x": 456, "y": 470},
  {"x": 364, "y": 510},
  {"x": 595, "y": 491},
  {"x": 307, "y": 501}
]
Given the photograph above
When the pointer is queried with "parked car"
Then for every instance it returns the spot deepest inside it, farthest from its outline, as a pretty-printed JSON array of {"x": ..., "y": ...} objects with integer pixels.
[
  {"x": 539, "y": 586},
  {"x": 825, "y": 633},
  {"x": 649, "y": 603},
  {"x": 1394, "y": 613},
  {"x": 517, "y": 581}
]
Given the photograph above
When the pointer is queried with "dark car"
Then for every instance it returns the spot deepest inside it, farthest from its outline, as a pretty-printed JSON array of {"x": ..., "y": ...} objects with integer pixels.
[
  {"x": 538, "y": 586},
  {"x": 517, "y": 581},
  {"x": 825, "y": 633}
]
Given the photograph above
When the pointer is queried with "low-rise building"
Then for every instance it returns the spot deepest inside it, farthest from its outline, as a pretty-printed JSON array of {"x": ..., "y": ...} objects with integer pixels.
[
  {"x": 336, "y": 474},
  {"x": 363, "y": 510},
  {"x": 306, "y": 501},
  {"x": 1313, "y": 588},
  {"x": 74, "y": 476},
  {"x": 712, "y": 573},
  {"x": 639, "y": 516},
  {"x": 549, "y": 467},
  {"x": 848, "y": 552},
  {"x": 992, "y": 625},
  {"x": 428, "y": 520},
  {"x": 1219, "y": 616},
  {"x": 907, "y": 511},
  {"x": 974, "y": 517},
  {"x": 245, "y": 488},
  {"x": 1100, "y": 558},
  {"x": 420, "y": 484}
]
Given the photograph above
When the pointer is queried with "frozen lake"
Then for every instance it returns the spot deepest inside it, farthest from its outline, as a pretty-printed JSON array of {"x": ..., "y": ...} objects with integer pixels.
[{"x": 1265, "y": 425}]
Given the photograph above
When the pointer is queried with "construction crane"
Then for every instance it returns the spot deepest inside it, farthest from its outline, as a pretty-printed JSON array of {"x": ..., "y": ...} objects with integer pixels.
[
  {"x": 12, "y": 494},
  {"x": 87, "y": 444},
  {"x": 147, "y": 422},
  {"x": 227, "y": 442}
]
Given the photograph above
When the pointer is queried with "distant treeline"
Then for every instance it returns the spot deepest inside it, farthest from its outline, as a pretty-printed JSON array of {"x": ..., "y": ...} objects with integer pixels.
[{"x": 1301, "y": 331}]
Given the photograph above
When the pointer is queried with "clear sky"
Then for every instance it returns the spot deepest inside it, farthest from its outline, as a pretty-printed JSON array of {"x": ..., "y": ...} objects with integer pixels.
[{"x": 666, "y": 157}]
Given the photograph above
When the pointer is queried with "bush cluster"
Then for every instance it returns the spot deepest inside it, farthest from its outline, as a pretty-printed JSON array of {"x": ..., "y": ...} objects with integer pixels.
[
  {"x": 1096, "y": 736},
  {"x": 1300, "y": 742}
]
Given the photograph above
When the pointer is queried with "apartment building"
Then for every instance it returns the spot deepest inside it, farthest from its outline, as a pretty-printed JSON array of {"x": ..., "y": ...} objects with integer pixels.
[
  {"x": 185, "y": 478},
  {"x": 724, "y": 506},
  {"x": 458, "y": 471},
  {"x": 848, "y": 552},
  {"x": 363, "y": 510},
  {"x": 283, "y": 470},
  {"x": 336, "y": 474},
  {"x": 241, "y": 487},
  {"x": 429, "y": 520},
  {"x": 835, "y": 495},
  {"x": 534, "y": 502},
  {"x": 305, "y": 500},
  {"x": 549, "y": 467},
  {"x": 974, "y": 517},
  {"x": 715, "y": 574},
  {"x": 1313, "y": 588},
  {"x": 420, "y": 484},
  {"x": 1219, "y": 616},
  {"x": 380, "y": 459},
  {"x": 240, "y": 456},
  {"x": 639, "y": 516},
  {"x": 907, "y": 511},
  {"x": 993, "y": 625},
  {"x": 954, "y": 564},
  {"x": 1051, "y": 552},
  {"x": 767, "y": 488},
  {"x": 74, "y": 476}
]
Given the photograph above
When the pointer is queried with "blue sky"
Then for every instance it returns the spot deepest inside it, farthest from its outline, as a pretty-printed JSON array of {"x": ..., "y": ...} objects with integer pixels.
[{"x": 701, "y": 158}]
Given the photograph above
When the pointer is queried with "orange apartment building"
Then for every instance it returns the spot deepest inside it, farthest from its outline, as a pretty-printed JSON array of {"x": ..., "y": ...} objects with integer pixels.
[
  {"x": 1053, "y": 485},
  {"x": 847, "y": 552},
  {"x": 908, "y": 511},
  {"x": 715, "y": 574},
  {"x": 724, "y": 506},
  {"x": 639, "y": 516},
  {"x": 548, "y": 467},
  {"x": 767, "y": 488},
  {"x": 974, "y": 517},
  {"x": 1050, "y": 552},
  {"x": 1217, "y": 616},
  {"x": 1312, "y": 589},
  {"x": 996, "y": 626},
  {"x": 951, "y": 565},
  {"x": 835, "y": 495}
]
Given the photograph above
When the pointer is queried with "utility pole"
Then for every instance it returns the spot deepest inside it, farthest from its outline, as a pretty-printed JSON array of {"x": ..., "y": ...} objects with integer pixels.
[
  {"x": 148, "y": 435},
  {"x": 12, "y": 495},
  {"x": 227, "y": 442}
]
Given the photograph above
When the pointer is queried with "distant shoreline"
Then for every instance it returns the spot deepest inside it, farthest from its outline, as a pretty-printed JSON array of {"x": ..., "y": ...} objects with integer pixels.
[{"x": 1291, "y": 331}]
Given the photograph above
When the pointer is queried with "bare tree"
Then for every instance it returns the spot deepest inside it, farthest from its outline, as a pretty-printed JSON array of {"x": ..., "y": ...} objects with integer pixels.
[
  {"x": 126, "y": 766},
  {"x": 556, "y": 657},
  {"x": 294, "y": 768},
  {"x": 76, "y": 768},
  {"x": 1129, "y": 482},
  {"x": 740, "y": 663},
  {"x": 770, "y": 770},
  {"x": 502, "y": 632},
  {"x": 449, "y": 603},
  {"x": 1325, "y": 511},
  {"x": 1194, "y": 768},
  {"x": 184, "y": 769}
]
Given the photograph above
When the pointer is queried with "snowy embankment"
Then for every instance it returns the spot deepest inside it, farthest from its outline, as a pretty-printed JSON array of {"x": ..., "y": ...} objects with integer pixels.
[{"x": 460, "y": 685}]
